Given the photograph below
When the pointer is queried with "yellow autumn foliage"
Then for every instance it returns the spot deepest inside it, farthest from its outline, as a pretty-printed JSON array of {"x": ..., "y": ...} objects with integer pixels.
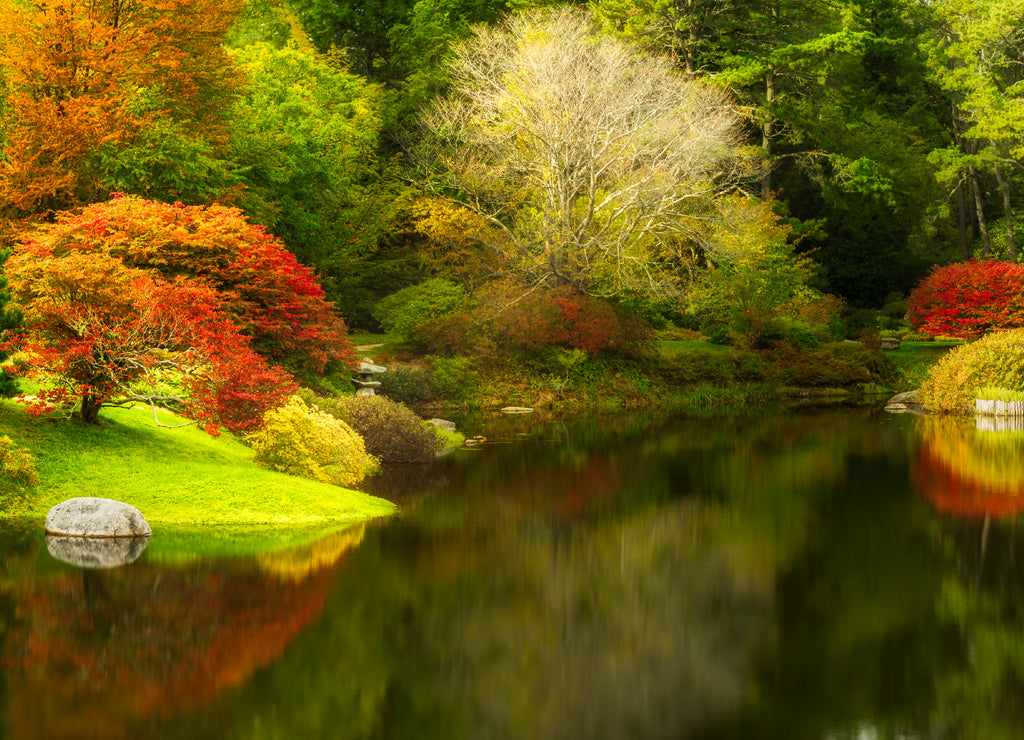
[
  {"x": 460, "y": 243},
  {"x": 304, "y": 441},
  {"x": 299, "y": 563}
]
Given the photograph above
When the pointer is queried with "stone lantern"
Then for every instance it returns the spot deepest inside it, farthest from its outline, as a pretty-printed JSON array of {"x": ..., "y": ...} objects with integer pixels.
[{"x": 367, "y": 370}]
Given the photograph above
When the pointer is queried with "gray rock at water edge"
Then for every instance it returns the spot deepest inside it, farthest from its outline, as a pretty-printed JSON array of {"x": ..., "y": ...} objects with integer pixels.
[
  {"x": 95, "y": 553},
  {"x": 448, "y": 426},
  {"x": 96, "y": 517},
  {"x": 516, "y": 410},
  {"x": 905, "y": 403}
]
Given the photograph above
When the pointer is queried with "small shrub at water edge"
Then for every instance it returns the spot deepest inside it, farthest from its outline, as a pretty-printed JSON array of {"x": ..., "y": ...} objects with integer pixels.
[
  {"x": 390, "y": 431},
  {"x": 309, "y": 442},
  {"x": 996, "y": 360}
]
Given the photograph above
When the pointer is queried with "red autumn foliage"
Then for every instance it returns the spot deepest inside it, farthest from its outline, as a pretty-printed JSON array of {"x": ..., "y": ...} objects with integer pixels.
[
  {"x": 274, "y": 300},
  {"x": 115, "y": 648},
  {"x": 563, "y": 317},
  {"x": 967, "y": 299},
  {"x": 98, "y": 332}
]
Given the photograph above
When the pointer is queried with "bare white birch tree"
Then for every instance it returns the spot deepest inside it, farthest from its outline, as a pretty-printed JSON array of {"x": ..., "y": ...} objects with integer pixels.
[{"x": 601, "y": 166}]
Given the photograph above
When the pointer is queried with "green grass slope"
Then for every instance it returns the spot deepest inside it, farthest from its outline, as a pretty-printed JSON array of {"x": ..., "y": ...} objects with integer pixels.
[{"x": 180, "y": 479}]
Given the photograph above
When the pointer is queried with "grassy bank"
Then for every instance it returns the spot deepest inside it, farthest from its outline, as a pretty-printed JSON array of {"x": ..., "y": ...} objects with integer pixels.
[
  {"x": 915, "y": 359},
  {"x": 183, "y": 480}
]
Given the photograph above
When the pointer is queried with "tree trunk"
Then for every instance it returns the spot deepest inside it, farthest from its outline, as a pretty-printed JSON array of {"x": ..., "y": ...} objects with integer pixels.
[
  {"x": 1004, "y": 188},
  {"x": 691, "y": 42},
  {"x": 90, "y": 409},
  {"x": 979, "y": 211},
  {"x": 767, "y": 133},
  {"x": 961, "y": 220}
]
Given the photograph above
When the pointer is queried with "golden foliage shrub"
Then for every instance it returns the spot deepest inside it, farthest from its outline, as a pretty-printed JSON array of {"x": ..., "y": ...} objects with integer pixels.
[
  {"x": 304, "y": 441},
  {"x": 995, "y": 360}
]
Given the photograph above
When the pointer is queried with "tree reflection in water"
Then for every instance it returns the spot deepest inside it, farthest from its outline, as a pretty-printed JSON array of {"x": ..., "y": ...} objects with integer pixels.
[
  {"x": 772, "y": 576},
  {"x": 99, "y": 652},
  {"x": 973, "y": 471}
]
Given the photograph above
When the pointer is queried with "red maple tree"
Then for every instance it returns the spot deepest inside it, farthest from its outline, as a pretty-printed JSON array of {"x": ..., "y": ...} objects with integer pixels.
[
  {"x": 98, "y": 332},
  {"x": 273, "y": 300},
  {"x": 967, "y": 299}
]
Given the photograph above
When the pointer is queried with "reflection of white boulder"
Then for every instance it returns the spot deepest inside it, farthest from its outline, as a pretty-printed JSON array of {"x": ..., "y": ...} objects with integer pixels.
[
  {"x": 95, "y": 553},
  {"x": 96, "y": 517}
]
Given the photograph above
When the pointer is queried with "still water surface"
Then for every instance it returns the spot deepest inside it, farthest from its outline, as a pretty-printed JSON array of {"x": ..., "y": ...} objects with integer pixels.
[{"x": 828, "y": 574}]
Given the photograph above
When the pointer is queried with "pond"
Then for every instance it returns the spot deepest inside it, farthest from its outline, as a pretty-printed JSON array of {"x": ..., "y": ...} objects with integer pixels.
[{"x": 819, "y": 573}]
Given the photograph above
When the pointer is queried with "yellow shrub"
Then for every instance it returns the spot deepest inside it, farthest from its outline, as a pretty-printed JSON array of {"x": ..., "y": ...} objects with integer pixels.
[
  {"x": 304, "y": 441},
  {"x": 996, "y": 359}
]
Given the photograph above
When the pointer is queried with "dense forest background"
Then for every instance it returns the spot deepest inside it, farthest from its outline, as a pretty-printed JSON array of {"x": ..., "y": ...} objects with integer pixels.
[{"x": 887, "y": 134}]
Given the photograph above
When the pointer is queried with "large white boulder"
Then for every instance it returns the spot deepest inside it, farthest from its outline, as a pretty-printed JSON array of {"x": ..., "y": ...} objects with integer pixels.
[{"x": 96, "y": 517}]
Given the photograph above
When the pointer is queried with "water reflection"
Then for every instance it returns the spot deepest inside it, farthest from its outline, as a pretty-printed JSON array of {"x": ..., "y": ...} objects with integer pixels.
[
  {"x": 974, "y": 473},
  {"x": 776, "y": 576},
  {"x": 967, "y": 470},
  {"x": 100, "y": 653},
  {"x": 93, "y": 553}
]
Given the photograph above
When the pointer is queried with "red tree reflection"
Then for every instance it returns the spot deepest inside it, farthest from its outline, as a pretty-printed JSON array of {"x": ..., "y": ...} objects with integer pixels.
[
  {"x": 98, "y": 652},
  {"x": 970, "y": 473}
]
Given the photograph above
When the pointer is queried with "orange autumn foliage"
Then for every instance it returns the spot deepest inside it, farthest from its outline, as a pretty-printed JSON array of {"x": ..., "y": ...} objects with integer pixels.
[
  {"x": 83, "y": 75},
  {"x": 76, "y": 670}
]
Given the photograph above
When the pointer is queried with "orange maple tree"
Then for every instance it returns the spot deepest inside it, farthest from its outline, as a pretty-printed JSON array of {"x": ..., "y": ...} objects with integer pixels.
[{"x": 81, "y": 75}]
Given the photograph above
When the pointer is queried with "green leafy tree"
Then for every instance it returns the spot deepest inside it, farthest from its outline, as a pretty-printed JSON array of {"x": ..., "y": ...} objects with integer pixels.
[
  {"x": 421, "y": 45},
  {"x": 306, "y": 138},
  {"x": 359, "y": 27},
  {"x": 762, "y": 293},
  {"x": 837, "y": 95},
  {"x": 405, "y": 310},
  {"x": 975, "y": 50}
]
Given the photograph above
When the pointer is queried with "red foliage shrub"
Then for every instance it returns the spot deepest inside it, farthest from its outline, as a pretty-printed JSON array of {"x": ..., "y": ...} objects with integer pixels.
[
  {"x": 967, "y": 299},
  {"x": 562, "y": 317}
]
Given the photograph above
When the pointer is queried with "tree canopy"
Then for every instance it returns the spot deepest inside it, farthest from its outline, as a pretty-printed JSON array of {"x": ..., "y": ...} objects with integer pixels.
[
  {"x": 102, "y": 95},
  {"x": 600, "y": 167},
  {"x": 132, "y": 291}
]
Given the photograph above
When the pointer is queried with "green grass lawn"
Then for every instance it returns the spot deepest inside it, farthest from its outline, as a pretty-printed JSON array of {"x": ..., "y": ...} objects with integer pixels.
[
  {"x": 914, "y": 359},
  {"x": 182, "y": 480}
]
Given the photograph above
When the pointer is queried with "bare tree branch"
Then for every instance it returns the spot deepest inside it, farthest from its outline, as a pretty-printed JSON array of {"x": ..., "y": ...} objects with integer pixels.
[{"x": 597, "y": 163}]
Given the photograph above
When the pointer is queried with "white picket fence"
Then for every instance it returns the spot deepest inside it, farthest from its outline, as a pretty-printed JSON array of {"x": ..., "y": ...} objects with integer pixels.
[{"x": 999, "y": 408}]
